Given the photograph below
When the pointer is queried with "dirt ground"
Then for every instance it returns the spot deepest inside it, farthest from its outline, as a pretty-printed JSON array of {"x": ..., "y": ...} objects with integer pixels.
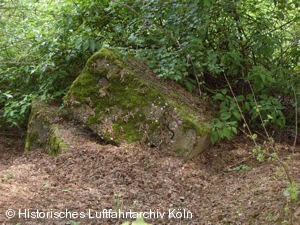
[{"x": 92, "y": 177}]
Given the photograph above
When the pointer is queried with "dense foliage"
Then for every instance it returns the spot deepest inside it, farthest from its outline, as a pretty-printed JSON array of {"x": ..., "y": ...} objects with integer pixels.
[{"x": 244, "y": 52}]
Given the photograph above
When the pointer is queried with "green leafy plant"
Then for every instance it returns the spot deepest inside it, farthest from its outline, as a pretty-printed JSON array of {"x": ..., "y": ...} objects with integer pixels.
[
  {"x": 222, "y": 130},
  {"x": 292, "y": 191},
  {"x": 117, "y": 203},
  {"x": 16, "y": 111},
  {"x": 242, "y": 168},
  {"x": 6, "y": 178},
  {"x": 260, "y": 153},
  {"x": 225, "y": 127},
  {"x": 71, "y": 222},
  {"x": 47, "y": 186},
  {"x": 257, "y": 112}
]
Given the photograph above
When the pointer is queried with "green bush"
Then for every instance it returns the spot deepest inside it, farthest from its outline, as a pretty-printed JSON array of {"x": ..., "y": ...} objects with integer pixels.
[{"x": 254, "y": 44}]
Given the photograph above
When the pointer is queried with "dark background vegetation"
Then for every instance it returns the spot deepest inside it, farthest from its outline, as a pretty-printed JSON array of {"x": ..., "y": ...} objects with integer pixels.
[{"x": 230, "y": 52}]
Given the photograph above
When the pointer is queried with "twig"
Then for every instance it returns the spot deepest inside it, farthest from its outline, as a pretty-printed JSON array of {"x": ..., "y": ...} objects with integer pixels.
[
  {"x": 196, "y": 76},
  {"x": 191, "y": 61},
  {"x": 240, "y": 110},
  {"x": 296, "y": 120},
  {"x": 127, "y": 6},
  {"x": 258, "y": 110},
  {"x": 239, "y": 162},
  {"x": 18, "y": 63}
]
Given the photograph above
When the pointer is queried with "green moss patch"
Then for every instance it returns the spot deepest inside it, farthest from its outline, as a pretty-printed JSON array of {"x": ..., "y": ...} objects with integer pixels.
[
  {"x": 85, "y": 87},
  {"x": 190, "y": 122},
  {"x": 55, "y": 144},
  {"x": 126, "y": 130}
]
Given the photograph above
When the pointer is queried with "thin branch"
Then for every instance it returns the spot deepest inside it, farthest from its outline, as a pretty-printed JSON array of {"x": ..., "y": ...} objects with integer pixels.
[
  {"x": 258, "y": 110},
  {"x": 240, "y": 110},
  {"x": 193, "y": 67},
  {"x": 296, "y": 120},
  {"x": 282, "y": 25},
  {"x": 127, "y": 6},
  {"x": 18, "y": 63}
]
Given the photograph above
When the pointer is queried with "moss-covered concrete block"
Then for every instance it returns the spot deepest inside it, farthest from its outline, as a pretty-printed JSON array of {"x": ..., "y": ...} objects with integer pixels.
[
  {"x": 42, "y": 130},
  {"x": 120, "y": 100}
]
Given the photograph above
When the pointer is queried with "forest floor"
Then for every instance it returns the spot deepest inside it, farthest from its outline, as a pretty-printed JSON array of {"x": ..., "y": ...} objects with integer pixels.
[{"x": 97, "y": 177}]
